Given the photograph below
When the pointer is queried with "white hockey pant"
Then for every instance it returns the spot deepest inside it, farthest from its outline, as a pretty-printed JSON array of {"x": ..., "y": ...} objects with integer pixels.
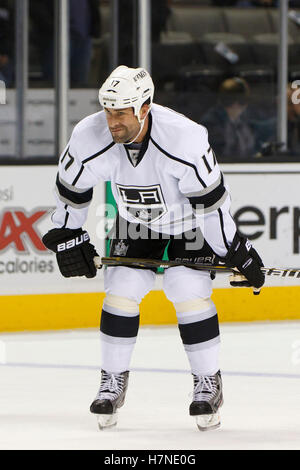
[{"x": 189, "y": 290}]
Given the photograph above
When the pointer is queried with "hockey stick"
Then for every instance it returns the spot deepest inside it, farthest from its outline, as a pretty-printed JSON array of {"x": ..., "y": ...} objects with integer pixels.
[{"x": 153, "y": 263}]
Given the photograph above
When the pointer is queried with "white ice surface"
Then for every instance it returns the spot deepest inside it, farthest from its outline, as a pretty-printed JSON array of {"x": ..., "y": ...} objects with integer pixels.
[{"x": 50, "y": 379}]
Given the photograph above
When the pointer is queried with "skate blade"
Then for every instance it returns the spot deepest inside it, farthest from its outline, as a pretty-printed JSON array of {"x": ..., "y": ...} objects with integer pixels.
[
  {"x": 208, "y": 422},
  {"x": 107, "y": 421}
]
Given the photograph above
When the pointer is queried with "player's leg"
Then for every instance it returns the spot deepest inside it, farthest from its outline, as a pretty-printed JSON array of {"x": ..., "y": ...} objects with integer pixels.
[
  {"x": 190, "y": 292},
  {"x": 125, "y": 287}
]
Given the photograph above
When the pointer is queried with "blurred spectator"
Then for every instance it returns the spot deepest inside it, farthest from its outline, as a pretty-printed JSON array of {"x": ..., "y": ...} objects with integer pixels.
[
  {"x": 270, "y": 146},
  {"x": 160, "y": 12},
  {"x": 42, "y": 35},
  {"x": 84, "y": 25},
  {"x": 267, "y": 129},
  {"x": 229, "y": 131},
  {"x": 6, "y": 42},
  {"x": 293, "y": 109}
]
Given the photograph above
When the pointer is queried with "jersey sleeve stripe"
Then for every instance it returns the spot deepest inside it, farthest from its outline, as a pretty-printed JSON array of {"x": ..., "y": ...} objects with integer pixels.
[
  {"x": 69, "y": 186},
  {"x": 210, "y": 205},
  {"x": 73, "y": 198},
  {"x": 70, "y": 203},
  {"x": 209, "y": 198},
  {"x": 180, "y": 161},
  {"x": 207, "y": 190}
]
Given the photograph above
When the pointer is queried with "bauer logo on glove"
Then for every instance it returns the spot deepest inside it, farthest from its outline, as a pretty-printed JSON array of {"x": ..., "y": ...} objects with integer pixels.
[
  {"x": 74, "y": 242},
  {"x": 74, "y": 252}
]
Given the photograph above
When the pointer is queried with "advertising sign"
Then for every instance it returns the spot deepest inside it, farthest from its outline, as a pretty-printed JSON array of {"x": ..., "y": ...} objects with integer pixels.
[
  {"x": 26, "y": 205},
  {"x": 265, "y": 207}
]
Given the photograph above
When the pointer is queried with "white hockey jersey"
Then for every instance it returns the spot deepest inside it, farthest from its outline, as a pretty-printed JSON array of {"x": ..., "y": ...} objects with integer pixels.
[{"x": 176, "y": 184}]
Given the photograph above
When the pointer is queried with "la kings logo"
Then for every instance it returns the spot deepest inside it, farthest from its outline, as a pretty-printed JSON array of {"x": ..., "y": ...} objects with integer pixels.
[{"x": 145, "y": 203}]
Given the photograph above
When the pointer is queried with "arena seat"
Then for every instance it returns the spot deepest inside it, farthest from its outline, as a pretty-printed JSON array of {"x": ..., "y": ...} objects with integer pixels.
[
  {"x": 265, "y": 48},
  {"x": 195, "y": 78},
  {"x": 168, "y": 58},
  {"x": 293, "y": 28},
  {"x": 235, "y": 42},
  {"x": 197, "y": 21},
  {"x": 247, "y": 21}
]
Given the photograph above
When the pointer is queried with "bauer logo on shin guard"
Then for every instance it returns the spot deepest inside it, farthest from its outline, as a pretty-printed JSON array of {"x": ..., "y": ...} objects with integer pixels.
[{"x": 73, "y": 243}]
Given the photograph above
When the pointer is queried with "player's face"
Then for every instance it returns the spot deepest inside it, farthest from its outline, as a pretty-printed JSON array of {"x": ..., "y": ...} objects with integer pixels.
[{"x": 123, "y": 124}]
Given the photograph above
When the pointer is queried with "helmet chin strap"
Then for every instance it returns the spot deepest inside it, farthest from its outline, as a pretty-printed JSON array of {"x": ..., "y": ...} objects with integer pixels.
[{"x": 142, "y": 123}]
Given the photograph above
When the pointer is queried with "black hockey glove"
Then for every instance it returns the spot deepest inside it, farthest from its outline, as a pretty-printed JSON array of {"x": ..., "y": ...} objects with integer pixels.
[
  {"x": 244, "y": 257},
  {"x": 74, "y": 252}
]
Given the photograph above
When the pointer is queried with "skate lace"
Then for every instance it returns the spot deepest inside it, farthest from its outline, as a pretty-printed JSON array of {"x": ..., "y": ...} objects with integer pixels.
[
  {"x": 205, "y": 389},
  {"x": 111, "y": 386}
]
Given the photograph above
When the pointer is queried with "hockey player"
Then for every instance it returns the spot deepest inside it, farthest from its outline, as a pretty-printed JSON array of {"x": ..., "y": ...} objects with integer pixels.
[{"x": 170, "y": 192}]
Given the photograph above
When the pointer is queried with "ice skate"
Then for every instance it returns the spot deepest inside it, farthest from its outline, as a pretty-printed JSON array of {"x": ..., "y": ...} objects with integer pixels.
[
  {"x": 207, "y": 399},
  {"x": 110, "y": 397}
]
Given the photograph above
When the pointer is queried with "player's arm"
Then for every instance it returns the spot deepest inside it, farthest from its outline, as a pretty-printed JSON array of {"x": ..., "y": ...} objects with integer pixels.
[
  {"x": 73, "y": 194},
  {"x": 204, "y": 186}
]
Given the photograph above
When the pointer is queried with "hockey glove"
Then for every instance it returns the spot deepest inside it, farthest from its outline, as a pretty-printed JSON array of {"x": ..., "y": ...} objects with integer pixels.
[
  {"x": 74, "y": 252},
  {"x": 244, "y": 257}
]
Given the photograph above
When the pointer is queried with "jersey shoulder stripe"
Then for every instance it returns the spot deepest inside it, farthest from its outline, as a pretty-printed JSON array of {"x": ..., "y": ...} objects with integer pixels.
[
  {"x": 86, "y": 160},
  {"x": 97, "y": 154},
  {"x": 184, "y": 162}
]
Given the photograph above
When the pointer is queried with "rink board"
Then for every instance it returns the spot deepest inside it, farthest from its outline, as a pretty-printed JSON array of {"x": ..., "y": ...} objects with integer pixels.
[
  {"x": 67, "y": 311},
  {"x": 34, "y": 296}
]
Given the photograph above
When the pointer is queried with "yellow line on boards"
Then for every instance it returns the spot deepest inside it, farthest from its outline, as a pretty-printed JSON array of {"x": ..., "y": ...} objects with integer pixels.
[{"x": 67, "y": 311}]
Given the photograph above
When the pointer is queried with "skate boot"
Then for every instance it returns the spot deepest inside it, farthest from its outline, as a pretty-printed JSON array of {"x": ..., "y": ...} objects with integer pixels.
[
  {"x": 110, "y": 397},
  {"x": 207, "y": 399}
]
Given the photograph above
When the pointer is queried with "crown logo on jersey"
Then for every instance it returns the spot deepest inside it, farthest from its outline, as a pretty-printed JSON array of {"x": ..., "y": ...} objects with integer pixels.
[{"x": 121, "y": 248}]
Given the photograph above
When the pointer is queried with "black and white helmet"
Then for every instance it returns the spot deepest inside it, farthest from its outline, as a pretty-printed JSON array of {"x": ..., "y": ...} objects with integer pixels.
[{"x": 127, "y": 87}]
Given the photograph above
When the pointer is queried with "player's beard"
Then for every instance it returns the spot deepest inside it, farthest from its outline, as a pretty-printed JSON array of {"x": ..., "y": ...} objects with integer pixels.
[{"x": 124, "y": 135}]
